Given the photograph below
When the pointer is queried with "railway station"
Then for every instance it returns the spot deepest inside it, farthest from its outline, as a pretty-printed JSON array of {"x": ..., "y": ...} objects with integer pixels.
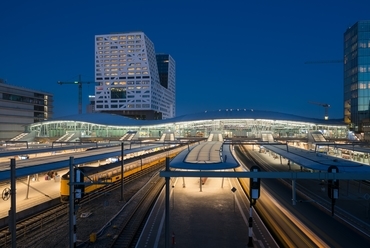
[
  {"x": 205, "y": 165},
  {"x": 231, "y": 123}
]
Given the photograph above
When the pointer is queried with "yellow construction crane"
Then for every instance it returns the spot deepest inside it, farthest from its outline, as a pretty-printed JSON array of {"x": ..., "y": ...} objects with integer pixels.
[
  {"x": 325, "y": 105},
  {"x": 79, "y": 83}
]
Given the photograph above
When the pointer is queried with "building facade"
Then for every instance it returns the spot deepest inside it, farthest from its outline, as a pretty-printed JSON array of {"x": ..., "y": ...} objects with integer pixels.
[
  {"x": 20, "y": 107},
  {"x": 131, "y": 79},
  {"x": 357, "y": 75}
]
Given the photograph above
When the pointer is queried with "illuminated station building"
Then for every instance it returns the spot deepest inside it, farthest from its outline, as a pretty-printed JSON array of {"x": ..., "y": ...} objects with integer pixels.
[{"x": 242, "y": 124}]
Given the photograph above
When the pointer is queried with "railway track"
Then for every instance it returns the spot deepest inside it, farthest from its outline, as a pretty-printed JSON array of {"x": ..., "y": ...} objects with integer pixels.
[
  {"x": 129, "y": 229},
  {"x": 283, "y": 228},
  {"x": 311, "y": 195},
  {"x": 35, "y": 231}
]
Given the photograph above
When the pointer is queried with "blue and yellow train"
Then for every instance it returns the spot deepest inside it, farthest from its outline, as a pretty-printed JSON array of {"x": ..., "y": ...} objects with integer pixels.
[{"x": 111, "y": 172}]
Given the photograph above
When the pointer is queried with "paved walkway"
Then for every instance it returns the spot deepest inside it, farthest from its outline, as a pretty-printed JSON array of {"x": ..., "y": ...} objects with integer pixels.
[
  {"x": 39, "y": 191},
  {"x": 206, "y": 217}
]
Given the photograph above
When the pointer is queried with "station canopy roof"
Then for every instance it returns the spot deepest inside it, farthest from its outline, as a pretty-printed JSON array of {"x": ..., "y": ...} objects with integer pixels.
[{"x": 118, "y": 120}]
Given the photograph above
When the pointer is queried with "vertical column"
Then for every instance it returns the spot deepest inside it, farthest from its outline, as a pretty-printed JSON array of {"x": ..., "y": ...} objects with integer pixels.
[
  {"x": 72, "y": 216},
  {"x": 294, "y": 198},
  {"x": 13, "y": 203},
  {"x": 122, "y": 155},
  {"x": 167, "y": 208}
]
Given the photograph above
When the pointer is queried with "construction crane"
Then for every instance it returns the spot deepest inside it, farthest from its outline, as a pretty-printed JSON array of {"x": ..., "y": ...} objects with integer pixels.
[
  {"x": 79, "y": 83},
  {"x": 325, "y": 105}
]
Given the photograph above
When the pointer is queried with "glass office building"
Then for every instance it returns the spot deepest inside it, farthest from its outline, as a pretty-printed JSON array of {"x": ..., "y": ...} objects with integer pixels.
[{"x": 357, "y": 75}]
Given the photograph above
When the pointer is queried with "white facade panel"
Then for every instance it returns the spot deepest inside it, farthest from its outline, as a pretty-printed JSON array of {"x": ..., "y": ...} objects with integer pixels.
[{"x": 127, "y": 76}]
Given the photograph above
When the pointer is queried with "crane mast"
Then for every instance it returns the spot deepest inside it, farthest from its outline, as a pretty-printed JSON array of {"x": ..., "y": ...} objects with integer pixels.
[
  {"x": 326, "y": 107},
  {"x": 79, "y": 83}
]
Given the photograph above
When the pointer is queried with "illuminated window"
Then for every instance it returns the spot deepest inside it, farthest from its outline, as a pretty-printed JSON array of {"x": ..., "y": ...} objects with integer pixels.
[
  {"x": 114, "y": 38},
  {"x": 362, "y": 86}
]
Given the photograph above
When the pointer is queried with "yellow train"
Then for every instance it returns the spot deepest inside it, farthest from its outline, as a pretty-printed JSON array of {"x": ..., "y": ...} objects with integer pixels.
[{"x": 111, "y": 172}]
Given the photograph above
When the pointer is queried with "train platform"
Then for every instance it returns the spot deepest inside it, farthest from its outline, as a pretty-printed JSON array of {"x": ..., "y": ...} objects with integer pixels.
[
  {"x": 209, "y": 216},
  {"x": 354, "y": 195},
  {"x": 30, "y": 193},
  {"x": 203, "y": 215}
]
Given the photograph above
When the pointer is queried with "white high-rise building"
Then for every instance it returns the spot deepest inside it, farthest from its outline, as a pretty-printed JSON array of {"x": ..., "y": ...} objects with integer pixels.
[{"x": 131, "y": 79}]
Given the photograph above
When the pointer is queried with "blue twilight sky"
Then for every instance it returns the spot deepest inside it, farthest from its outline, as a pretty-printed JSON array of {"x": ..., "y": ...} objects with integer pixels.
[{"x": 229, "y": 54}]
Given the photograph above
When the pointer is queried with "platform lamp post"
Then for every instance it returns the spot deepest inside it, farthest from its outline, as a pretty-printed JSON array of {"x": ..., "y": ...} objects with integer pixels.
[
  {"x": 167, "y": 208},
  {"x": 72, "y": 217},
  {"x": 12, "y": 211},
  {"x": 234, "y": 190},
  {"x": 254, "y": 194},
  {"x": 122, "y": 154}
]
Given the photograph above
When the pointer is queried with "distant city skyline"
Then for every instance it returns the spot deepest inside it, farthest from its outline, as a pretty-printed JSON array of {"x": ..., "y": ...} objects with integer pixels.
[{"x": 228, "y": 56}]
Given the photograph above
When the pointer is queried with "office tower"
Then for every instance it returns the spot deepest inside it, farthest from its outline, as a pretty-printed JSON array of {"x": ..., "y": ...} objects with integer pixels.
[
  {"x": 131, "y": 79},
  {"x": 357, "y": 75},
  {"x": 19, "y": 107}
]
